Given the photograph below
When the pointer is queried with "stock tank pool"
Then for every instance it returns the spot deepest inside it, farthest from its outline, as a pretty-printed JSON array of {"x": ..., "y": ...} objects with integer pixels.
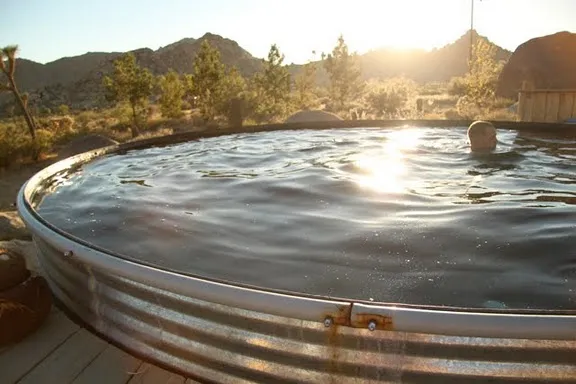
[{"x": 324, "y": 255}]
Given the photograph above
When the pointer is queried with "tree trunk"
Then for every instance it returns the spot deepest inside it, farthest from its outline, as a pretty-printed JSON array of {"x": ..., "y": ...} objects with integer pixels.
[
  {"x": 27, "y": 116},
  {"x": 134, "y": 126}
]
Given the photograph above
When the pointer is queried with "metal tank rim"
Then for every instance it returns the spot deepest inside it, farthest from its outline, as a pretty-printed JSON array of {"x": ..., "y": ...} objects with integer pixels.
[{"x": 448, "y": 321}]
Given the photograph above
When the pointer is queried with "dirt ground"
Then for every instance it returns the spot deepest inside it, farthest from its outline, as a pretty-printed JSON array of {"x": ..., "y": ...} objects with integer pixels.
[{"x": 13, "y": 178}]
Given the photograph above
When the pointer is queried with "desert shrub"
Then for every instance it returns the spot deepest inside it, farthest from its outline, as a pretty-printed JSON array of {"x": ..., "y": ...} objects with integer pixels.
[
  {"x": 44, "y": 111},
  {"x": 44, "y": 142},
  {"x": 61, "y": 128},
  {"x": 432, "y": 89},
  {"x": 389, "y": 98},
  {"x": 468, "y": 109},
  {"x": 63, "y": 109},
  {"x": 83, "y": 118},
  {"x": 16, "y": 144},
  {"x": 457, "y": 86}
]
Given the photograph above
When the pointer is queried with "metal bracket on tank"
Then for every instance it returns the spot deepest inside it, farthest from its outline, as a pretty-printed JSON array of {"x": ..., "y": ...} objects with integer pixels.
[{"x": 465, "y": 324}]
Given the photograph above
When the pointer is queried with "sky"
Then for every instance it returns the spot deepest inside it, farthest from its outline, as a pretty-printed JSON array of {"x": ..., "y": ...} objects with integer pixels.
[{"x": 46, "y": 30}]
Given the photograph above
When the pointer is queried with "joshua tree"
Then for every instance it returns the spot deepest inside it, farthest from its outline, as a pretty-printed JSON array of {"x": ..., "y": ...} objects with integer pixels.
[{"x": 8, "y": 55}]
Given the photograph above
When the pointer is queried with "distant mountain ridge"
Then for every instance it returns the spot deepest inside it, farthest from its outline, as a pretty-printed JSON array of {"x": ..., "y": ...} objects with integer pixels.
[
  {"x": 76, "y": 81},
  {"x": 439, "y": 64}
]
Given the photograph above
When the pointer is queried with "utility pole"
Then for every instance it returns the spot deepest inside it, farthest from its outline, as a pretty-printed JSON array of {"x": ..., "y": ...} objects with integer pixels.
[{"x": 471, "y": 34}]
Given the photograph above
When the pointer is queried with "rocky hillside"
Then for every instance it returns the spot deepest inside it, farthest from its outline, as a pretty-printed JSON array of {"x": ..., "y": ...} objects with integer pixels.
[
  {"x": 547, "y": 62},
  {"x": 420, "y": 65},
  {"x": 425, "y": 66},
  {"x": 76, "y": 81}
]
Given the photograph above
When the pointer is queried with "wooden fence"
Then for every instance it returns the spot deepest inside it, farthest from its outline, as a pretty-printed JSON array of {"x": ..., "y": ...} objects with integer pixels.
[{"x": 546, "y": 105}]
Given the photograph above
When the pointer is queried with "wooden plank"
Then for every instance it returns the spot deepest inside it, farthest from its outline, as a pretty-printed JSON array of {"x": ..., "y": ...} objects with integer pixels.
[
  {"x": 565, "y": 109},
  {"x": 66, "y": 362},
  {"x": 552, "y": 107},
  {"x": 21, "y": 358},
  {"x": 523, "y": 98},
  {"x": 528, "y": 108},
  {"x": 151, "y": 374},
  {"x": 113, "y": 366},
  {"x": 539, "y": 107}
]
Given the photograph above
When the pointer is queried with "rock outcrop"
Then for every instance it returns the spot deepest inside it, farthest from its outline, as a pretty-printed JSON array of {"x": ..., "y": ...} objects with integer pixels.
[
  {"x": 547, "y": 62},
  {"x": 25, "y": 249},
  {"x": 12, "y": 227},
  {"x": 23, "y": 308},
  {"x": 13, "y": 269},
  {"x": 25, "y": 298}
]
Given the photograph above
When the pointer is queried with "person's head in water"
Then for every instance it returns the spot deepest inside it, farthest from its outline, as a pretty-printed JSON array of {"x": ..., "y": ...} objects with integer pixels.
[{"x": 482, "y": 136}]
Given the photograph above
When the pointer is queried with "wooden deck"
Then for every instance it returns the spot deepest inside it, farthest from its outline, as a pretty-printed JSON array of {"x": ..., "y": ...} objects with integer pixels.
[{"x": 62, "y": 352}]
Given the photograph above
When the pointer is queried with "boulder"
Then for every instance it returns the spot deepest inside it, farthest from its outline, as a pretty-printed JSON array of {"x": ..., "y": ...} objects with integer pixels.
[
  {"x": 25, "y": 248},
  {"x": 85, "y": 144},
  {"x": 12, "y": 269},
  {"x": 546, "y": 62},
  {"x": 23, "y": 309},
  {"x": 12, "y": 227},
  {"x": 311, "y": 116}
]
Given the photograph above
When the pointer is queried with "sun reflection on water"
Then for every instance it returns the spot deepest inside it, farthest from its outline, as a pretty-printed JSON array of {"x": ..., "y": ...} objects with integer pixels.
[{"x": 385, "y": 170}]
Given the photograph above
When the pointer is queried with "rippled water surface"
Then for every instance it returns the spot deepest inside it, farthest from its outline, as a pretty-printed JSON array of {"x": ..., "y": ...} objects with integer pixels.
[{"x": 405, "y": 215}]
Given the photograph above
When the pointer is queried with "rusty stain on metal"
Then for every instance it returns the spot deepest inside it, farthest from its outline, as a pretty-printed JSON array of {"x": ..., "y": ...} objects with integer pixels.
[
  {"x": 341, "y": 317},
  {"x": 334, "y": 341},
  {"x": 334, "y": 347},
  {"x": 362, "y": 320}
]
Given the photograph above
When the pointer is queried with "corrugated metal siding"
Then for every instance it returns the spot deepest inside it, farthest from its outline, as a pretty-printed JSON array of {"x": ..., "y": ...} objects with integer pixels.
[{"x": 229, "y": 345}]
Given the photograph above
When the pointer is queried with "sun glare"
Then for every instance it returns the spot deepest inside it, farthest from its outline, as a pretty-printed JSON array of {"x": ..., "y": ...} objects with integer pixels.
[
  {"x": 384, "y": 171},
  {"x": 407, "y": 24}
]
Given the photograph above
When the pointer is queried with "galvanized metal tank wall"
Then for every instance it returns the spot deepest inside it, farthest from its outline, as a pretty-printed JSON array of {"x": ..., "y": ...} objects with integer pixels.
[{"x": 230, "y": 334}]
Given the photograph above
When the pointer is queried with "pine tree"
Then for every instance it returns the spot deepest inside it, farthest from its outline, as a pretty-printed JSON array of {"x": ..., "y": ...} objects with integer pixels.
[
  {"x": 172, "y": 91},
  {"x": 233, "y": 86},
  {"x": 132, "y": 84},
  {"x": 189, "y": 95},
  {"x": 305, "y": 86},
  {"x": 345, "y": 76},
  {"x": 272, "y": 88},
  {"x": 208, "y": 80}
]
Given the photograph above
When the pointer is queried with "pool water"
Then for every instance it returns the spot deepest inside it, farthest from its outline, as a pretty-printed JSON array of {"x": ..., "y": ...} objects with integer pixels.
[{"x": 403, "y": 215}]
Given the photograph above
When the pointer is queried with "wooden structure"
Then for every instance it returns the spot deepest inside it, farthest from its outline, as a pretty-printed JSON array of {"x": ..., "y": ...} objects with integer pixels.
[
  {"x": 546, "y": 105},
  {"x": 62, "y": 352}
]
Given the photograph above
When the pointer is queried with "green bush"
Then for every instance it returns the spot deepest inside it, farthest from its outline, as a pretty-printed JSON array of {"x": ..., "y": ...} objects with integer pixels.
[
  {"x": 16, "y": 144},
  {"x": 63, "y": 109},
  {"x": 44, "y": 142}
]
